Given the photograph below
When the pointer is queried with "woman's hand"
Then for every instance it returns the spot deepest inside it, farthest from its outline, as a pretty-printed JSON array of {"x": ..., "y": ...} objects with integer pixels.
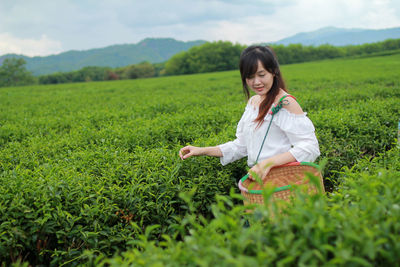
[
  {"x": 259, "y": 170},
  {"x": 262, "y": 168},
  {"x": 189, "y": 151}
]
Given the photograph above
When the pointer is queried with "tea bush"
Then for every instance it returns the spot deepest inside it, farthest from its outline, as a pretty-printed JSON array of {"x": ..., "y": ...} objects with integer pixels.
[
  {"x": 358, "y": 225},
  {"x": 91, "y": 166}
]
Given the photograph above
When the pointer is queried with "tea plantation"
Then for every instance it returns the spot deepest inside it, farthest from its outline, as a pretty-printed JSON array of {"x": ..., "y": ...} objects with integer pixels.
[{"x": 90, "y": 173}]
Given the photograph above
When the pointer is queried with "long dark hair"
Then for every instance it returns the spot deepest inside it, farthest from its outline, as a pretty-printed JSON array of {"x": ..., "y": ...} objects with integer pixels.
[{"x": 248, "y": 66}]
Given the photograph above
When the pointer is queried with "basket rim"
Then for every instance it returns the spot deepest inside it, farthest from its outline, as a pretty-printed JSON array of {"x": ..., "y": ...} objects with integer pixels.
[{"x": 277, "y": 189}]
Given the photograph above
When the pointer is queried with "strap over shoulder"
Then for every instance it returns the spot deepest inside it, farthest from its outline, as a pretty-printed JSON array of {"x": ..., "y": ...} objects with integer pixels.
[
  {"x": 278, "y": 107},
  {"x": 283, "y": 97},
  {"x": 273, "y": 111}
]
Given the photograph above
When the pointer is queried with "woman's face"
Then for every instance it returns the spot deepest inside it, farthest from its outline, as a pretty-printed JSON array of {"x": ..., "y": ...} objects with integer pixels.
[{"x": 261, "y": 81}]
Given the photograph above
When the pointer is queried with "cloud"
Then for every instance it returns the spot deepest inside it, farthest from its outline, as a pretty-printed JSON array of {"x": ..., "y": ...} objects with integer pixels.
[
  {"x": 314, "y": 14},
  {"x": 87, "y": 24},
  {"x": 30, "y": 47},
  {"x": 236, "y": 21},
  {"x": 172, "y": 12}
]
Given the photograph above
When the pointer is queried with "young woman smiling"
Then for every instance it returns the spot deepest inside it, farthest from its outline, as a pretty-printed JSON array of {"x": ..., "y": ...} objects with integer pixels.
[{"x": 291, "y": 134}]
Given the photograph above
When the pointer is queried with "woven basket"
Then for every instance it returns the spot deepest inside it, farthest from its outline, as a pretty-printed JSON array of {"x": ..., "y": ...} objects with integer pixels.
[{"x": 282, "y": 178}]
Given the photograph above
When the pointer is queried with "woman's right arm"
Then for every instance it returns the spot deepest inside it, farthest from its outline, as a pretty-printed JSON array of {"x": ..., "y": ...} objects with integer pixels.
[{"x": 188, "y": 151}]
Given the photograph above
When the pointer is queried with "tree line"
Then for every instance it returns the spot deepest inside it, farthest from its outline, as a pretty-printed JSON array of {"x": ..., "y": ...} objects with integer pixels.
[
  {"x": 220, "y": 56},
  {"x": 209, "y": 57},
  {"x": 93, "y": 73}
]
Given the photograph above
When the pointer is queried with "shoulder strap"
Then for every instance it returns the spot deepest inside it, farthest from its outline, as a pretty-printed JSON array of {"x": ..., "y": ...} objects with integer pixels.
[
  {"x": 278, "y": 107},
  {"x": 274, "y": 110},
  {"x": 283, "y": 97}
]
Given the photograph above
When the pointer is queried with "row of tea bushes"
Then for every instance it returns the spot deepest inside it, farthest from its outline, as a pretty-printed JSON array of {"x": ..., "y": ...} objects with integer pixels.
[
  {"x": 90, "y": 166},
  {"x": 90, "y": 199},
  {"x": 358, "y": 225},
  {"x": 348, "y": 134}
]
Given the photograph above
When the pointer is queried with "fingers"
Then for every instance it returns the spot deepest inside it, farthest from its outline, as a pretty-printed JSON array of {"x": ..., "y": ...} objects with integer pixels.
[
  {"x": 187, "y": 155},
  {"x": 254, "y": 172},
  {"x": 251, "y": 176},
  {"x": 182, "y": 152},
  {"x": 185, "y": 152},
  {"x": 258, "y": 171}
]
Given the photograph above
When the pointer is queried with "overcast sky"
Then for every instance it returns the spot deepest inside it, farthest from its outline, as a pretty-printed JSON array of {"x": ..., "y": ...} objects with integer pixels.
[{"x": 44, "y": 27}]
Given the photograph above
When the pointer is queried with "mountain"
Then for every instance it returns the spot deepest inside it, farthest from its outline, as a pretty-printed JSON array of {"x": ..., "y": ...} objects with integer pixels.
[
  {"x": 340, "y": 36},
  {"x": 153, "y": 50}
]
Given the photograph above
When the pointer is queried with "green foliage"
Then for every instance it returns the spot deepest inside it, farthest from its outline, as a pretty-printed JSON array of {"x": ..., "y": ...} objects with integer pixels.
[
  {"x": 356, "y": 226},
  {"x": 95, "y": 166},
  {"x": 14, "y": 73},
  {"x": 87, "y": 74},
  {"x": 296, "y": 53},
  {"x": 224, "y": 56},
  {"x": 210, "y": 57},
  {"x": 141, "y": 70}
]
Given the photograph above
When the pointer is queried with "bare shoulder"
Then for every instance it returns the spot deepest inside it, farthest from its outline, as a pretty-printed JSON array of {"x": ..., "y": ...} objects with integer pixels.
[
  {"x": 254, "y": 100},
  {"x": 292, "y": 105}
]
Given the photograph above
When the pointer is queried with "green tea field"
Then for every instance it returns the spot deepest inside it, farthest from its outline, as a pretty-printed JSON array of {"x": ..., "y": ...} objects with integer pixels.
[{"x": 90, "y": 172}]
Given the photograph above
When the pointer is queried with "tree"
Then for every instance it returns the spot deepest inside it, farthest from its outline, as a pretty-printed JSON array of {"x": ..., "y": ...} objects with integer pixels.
[
  {"x": 141, "y": 70},
  {"x": 13, "y": 73},
  {"x": 209, "y": 57}
]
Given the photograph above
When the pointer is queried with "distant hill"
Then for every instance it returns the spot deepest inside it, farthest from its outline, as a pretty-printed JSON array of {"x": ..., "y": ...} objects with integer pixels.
[
  {"x": 153, "y": 50},
  {"x": 341, "y": 37}
]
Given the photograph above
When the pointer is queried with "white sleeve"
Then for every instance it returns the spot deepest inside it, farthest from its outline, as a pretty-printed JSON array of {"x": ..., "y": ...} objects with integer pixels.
[
  {"x": 305, "y": 146},
  {"x": 301, "y": 133},
  {"x": 237, "y": 149}
]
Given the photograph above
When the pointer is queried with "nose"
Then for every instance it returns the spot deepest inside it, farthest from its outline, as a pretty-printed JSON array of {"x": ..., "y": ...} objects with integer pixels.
[{"x": 256, "y": 80}]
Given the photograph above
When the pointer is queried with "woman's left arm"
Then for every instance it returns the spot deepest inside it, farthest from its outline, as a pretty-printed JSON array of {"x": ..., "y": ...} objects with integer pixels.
[
  {"x": 304, "y": 143},
  {"x": 262, "y": 168},
  {"x": 301, "y": 134}
]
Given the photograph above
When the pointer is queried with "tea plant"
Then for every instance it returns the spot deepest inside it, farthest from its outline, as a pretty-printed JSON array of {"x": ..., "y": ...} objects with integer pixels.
[
  {"x": 90, "y": 166},
  {"x": 358, "y": 225}
]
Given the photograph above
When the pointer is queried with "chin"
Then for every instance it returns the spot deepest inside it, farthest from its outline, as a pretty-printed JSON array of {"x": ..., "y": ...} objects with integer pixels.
[{"x": 262, "y": 93}]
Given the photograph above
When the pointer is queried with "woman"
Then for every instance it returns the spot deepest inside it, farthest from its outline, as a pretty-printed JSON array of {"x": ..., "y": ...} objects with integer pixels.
[{"x": 291, "y": 135}]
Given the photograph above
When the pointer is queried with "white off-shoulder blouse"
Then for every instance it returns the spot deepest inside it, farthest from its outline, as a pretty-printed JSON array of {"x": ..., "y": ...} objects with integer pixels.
[{"x": 289, "y": 132}]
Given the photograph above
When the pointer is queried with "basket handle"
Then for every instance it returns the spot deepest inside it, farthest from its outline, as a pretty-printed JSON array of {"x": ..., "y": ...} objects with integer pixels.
[{"x": 277, "y": 189}]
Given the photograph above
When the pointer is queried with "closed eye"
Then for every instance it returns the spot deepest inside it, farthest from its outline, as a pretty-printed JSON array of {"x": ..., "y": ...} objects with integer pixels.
[{"x": 261, "y": 73}]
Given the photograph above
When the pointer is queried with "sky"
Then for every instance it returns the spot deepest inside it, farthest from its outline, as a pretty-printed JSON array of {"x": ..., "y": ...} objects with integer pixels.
[{"x": 46, "y": 27}]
